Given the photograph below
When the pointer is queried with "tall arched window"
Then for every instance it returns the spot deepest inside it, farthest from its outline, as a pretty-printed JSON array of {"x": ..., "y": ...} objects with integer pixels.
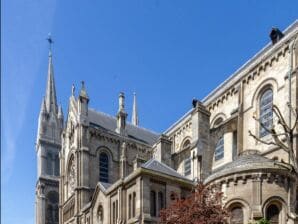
[
  {"x": 272, "y": 214},
  {"x": 52, "y": 213},
  {"x": 103, "y": 167},
  {"x": 219, "y": 149},
  {"x": 236, "y": 216},
  {"x": 266, "y": 114},
  {"x": 153, "y": 203},
  {"x": 57, "y": 165},
  {"x": 49, "y": 163}
]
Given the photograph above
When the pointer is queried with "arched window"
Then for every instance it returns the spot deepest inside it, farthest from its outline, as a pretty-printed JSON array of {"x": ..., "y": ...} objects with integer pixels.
[
  {"x": 236, "y": 216},
  {"x": 217, "y": 122},
  {"x": 266, "y": 114},
  {"x": 49, "y": 164},
  {"x": 219, "y": 149},
  {"x": 57, "y": 165},
  {"x": 103, "y": 167},
  {"x": 186, "y": 144},
  {"x": 52, "y": 212},
  {"x": 272, "y": 214},
  {"x": 152, "y": 203},
  {"x": 160, "y": 201}
]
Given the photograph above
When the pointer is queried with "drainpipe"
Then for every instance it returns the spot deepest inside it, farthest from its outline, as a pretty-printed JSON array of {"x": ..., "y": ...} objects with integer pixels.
[{"x": 292, "y": 48}]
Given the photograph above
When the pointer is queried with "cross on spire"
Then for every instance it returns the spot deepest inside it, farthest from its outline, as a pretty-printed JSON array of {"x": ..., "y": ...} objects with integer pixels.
[{"x": 50, "y": 40}]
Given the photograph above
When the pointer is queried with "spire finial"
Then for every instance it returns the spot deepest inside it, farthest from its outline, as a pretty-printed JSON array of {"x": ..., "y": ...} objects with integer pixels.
[
  {"x": 134, "y": 117},
  {"x": 50, "y": 41}
]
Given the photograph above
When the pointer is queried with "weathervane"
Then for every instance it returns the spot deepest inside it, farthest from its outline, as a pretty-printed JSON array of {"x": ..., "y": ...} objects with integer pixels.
[{"x": 50, "y": 40}]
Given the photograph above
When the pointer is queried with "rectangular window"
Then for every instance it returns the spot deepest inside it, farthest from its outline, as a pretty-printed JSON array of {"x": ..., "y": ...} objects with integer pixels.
[{"x": 187, "y": 166}]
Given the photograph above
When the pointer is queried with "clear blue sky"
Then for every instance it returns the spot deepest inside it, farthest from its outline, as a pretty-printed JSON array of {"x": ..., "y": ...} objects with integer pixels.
[{"x": 167, "y": 51}]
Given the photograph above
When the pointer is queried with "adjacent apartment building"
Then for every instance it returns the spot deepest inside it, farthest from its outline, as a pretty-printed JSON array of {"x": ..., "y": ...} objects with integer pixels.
[{"x": 95, "y": 168}]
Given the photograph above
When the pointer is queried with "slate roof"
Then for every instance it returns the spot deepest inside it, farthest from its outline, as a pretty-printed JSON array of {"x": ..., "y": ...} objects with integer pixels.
[
  {"x": 108, "y": 122},
  {"x": 105, "y": 185},
  {"x": 244, "y": 163},
  {"x": 159, "y": 167}
]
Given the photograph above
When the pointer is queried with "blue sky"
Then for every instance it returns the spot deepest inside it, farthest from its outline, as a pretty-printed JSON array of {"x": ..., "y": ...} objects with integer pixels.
[{"x": 167, "y": 51}]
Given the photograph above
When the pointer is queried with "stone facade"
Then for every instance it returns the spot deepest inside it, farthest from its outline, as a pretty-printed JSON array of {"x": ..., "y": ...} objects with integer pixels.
[{"x": 113, "y": 171}]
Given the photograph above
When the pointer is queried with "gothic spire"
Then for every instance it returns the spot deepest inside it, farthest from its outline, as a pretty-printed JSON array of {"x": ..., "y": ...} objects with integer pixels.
[
  {"x": 51, "y": 100},
  {"x": 134, "y": 118},
  {"x": 43, "y": 108}
]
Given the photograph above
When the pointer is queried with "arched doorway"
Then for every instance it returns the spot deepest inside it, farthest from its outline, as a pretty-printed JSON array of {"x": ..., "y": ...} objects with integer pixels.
[{"x": 272, "y": 214}]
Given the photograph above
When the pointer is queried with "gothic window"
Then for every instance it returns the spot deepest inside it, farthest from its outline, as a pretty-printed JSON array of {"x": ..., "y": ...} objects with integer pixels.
[
  {"x": 103, "y": 167},
  {"x": 52, "y": 211},
  {"x": 57, "y": 165},
  {"x": 187, "y": 166},
  {"x": 266, "y": 114},
  {"x": 152, "y": 203},
  {"x": 272, "y": 214},
  {"x": 71, "y": 176},
  {"x": 219, "y": 149},
  {"x": 160, "y": 201},
  {"x": 236, "y": 216},
  {"x": 49, "y": 163}
]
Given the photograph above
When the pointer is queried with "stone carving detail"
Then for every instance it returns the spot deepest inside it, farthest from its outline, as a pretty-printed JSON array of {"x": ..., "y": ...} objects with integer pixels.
[
  {"x": 99, "y": 214},
  {"x": 183, "y": 132},
  {"x": 71, "y": 176}
]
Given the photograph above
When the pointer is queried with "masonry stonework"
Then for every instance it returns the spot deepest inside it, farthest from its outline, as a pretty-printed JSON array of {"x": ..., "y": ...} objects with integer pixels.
[{"x": 112, "y": 171}]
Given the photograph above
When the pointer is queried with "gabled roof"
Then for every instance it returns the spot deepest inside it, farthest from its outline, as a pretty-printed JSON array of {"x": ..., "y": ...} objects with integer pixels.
[
  {"x": 104, "y": 185},
  {"x": 109, "y": 123},
  {"x": 159, "y": 167}
]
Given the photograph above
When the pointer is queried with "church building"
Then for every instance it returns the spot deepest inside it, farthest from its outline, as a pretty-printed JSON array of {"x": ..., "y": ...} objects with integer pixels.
[{"x": 96, "y": 168}]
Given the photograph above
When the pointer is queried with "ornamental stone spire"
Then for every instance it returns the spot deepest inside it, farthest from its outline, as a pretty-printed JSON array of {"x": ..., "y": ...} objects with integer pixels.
[
  {"x": 135, "y": 117},
  {"x": 50, "y": 98}
]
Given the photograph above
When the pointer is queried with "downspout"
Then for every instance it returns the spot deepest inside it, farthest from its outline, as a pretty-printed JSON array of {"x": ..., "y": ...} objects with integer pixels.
[{"x": 290, "y": 90}]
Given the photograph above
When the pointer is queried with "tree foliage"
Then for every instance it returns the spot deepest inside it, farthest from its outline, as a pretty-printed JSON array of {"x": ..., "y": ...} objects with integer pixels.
[
  {"x": 202, "y": 206},
  {"x": 284, "y": 138}
]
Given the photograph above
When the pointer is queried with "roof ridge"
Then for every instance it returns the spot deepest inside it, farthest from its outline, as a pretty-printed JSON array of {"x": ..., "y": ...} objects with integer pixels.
[{"x": 128, "y": 123}]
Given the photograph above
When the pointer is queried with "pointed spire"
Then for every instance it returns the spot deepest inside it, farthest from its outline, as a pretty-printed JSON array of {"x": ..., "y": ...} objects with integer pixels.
[
  {"x": 51, "y": 100},
  {"x": 43, "y": 108},
  {"x": 134, "y": 117},
  {"x": 60, "y": 112}
]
